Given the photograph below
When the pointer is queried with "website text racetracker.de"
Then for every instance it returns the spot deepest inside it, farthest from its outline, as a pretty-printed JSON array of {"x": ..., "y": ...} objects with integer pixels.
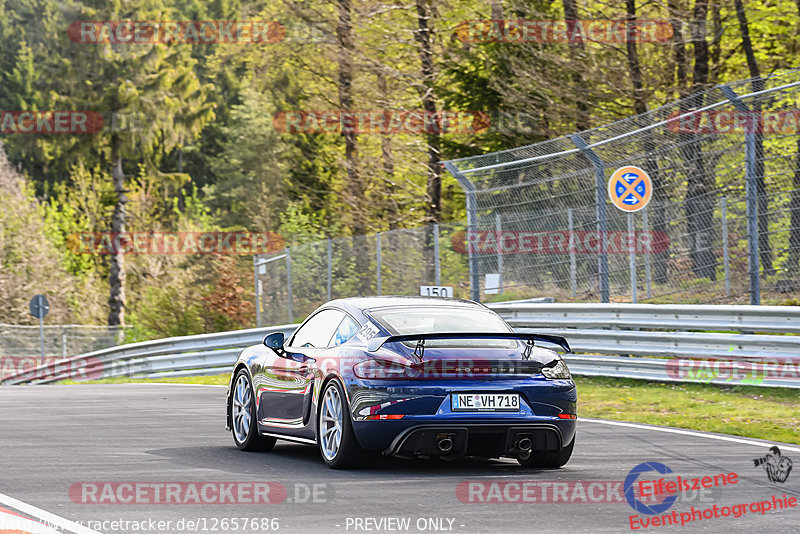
[
  {"x": 203, "y": 493},
  {"x": 715, "y": 512},
  {"x": 226, "y": 525},
  {"x": 583, "y": 491}
]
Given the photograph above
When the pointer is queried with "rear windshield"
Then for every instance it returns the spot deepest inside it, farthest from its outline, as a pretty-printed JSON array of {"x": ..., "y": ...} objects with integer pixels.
[{"x": 441, "y": 319}]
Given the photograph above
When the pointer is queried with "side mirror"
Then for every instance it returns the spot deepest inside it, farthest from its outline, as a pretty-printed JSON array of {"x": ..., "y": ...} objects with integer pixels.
[{"x": 274, "y": 341}]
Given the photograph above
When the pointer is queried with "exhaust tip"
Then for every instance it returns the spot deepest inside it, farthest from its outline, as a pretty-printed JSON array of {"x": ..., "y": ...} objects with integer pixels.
[
  {"x": 445, "y": 444},
  {"x": 524, "y": 444}
]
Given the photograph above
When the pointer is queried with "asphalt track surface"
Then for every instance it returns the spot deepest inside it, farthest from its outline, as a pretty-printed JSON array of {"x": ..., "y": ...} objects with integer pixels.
[{"x": 56, "y": 437}]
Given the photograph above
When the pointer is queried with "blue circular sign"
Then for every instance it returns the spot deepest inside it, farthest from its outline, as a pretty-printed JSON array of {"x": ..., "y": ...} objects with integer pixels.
[
  {"x": 630, "y": 496},
  {"x": 630, "y": 188}
]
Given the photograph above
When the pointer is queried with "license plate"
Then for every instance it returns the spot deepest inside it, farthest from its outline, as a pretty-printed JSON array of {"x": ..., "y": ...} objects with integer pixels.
[{"x": 484, "y": 402}]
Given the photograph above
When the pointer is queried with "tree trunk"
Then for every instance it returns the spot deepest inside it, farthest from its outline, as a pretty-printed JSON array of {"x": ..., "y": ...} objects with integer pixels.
[
  {"x": 700, "y": 183},
  {"x": 651, "y": 161},
  {"x": 764, "y": 249},
  {"x": 387, "y": 159},
  {"x": 354, "y": 190},
  {"x": 577, "y": 52},
  {"x": 116, "y": 276},
  {"x": 794, "y": 211},
  {"x": 679, "y": 48},
  {"x": 433, "y": 208}
]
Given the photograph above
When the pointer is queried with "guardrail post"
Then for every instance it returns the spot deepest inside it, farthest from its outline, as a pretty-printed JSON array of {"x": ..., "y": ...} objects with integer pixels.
[
  {"x": 289, "y": 282},
  {"x": 632, "y": 254},
  {"x": 330, "y": 268},
  {"x": 647, "y": 275},
  {"x": 498, "y": 228},
  {"x": 437, "y": 265},
  {"x": 472, "y": 228},
  {"x": 378, "y": 259},
  {"x": 600, "y": 206},
  {"x": 255, "y": 288},
  {"x": 723, "y": 206},
  {"x": 573, "y": 282},
  {"x": 64, "y": 344},
  {"x": 751, "y": 194}
]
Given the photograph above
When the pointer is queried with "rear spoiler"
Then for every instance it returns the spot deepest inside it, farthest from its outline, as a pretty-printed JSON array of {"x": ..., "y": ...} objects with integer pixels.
[{"x": 377, "y": 342}]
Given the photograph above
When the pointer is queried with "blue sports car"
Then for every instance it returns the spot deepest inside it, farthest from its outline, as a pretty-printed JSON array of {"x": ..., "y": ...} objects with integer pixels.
[{"x": 408, "y": 377}]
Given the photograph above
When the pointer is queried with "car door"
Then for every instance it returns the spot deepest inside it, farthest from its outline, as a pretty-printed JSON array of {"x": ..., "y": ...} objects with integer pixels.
[{"x": 287, "y": 381}]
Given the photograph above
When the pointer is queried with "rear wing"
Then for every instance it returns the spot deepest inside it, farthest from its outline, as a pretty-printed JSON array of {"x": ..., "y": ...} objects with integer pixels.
[{"x": 377, "y": 342}]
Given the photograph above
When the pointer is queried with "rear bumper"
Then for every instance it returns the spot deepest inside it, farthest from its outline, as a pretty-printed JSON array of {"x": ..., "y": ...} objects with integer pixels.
[
  {"x": 490, "y": 440},
  {"x": 427, "y": 406}
]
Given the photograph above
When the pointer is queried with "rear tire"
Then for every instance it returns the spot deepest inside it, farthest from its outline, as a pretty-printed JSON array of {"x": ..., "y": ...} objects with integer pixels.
[
  {"x": 244, "y": 426},
  {"x": 335, "y": 436},
  {"x": 549, "y": 460}
]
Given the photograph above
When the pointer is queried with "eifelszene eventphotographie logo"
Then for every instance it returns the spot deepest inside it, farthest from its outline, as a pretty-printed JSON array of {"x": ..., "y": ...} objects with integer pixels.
[{"x": 776, "y": 465}]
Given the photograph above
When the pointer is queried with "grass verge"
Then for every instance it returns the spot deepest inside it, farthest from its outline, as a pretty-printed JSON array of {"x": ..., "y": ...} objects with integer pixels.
[{"x": 753, "y": 412}]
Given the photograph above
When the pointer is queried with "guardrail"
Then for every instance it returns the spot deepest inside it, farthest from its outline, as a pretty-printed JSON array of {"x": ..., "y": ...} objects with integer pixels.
[
  {"x": 202, "y": 354},
  {"x": 595, "y": 332}
]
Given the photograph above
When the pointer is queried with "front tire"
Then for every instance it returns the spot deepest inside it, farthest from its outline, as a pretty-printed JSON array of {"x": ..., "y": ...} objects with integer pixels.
[
  {"x": 244, "y": 426},
  {"x": 335, "y": 436},
  {"x": 549, "y": 460}
]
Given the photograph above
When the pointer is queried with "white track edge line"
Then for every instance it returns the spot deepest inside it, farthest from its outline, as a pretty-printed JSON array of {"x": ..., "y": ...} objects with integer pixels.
[
  {"x": 686, "y": 432},
  {"x": 53, "y": 519}
]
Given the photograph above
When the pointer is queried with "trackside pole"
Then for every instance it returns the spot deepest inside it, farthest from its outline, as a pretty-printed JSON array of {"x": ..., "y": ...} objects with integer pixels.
[
  {"x": 573, "y": 282},
  {"x": 632, "y": 254},
  {"x": 647, "y": 275},
  {"x": 723, "y": 205}
]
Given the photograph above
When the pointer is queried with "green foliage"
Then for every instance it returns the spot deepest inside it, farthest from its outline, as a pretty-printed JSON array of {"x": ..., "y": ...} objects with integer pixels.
[{"x": 207, "y": 154}]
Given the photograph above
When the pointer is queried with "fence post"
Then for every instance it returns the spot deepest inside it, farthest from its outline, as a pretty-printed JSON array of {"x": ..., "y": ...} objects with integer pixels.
[
  {"x": 289, "y": 281},
  {"x": 751, "y": 194},
  {"x": 255, "y": 288},
  {"x": 378, "y": 258},
  {"x": 573, "y": 282},
  {"x": 472, "y": 222},
  {"x": 647, "y": 275},
  {"x": 600, "y": 206},
  {"x": 437, "y": 264},
  {"x": 64, "y": 344},
  {"x": 330, "y": 268},
  {"x": 498, "y": 228},
  {"x": 632, "y": 255},
  {"x": 723, "y": 206}
]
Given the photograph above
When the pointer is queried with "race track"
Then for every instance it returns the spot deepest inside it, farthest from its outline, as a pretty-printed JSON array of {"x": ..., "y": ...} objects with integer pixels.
[{"x": 61, "y": 443}]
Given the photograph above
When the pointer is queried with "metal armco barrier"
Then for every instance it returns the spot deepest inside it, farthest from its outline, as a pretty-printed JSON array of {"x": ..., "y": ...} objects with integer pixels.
[
  {"x": 646, "y": 334},
  {"x": 203, "y": 354}
]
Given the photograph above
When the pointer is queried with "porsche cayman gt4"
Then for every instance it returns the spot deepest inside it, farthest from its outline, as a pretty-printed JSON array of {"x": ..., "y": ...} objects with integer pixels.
[{"x": 409, "y": 377}]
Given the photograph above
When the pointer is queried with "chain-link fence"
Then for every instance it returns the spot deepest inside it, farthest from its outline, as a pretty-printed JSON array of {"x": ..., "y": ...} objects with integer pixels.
[
  {"x": 21, "y": 346},
  {"x": 723, "y": 222},
  {"x": 292, "y": 283}
]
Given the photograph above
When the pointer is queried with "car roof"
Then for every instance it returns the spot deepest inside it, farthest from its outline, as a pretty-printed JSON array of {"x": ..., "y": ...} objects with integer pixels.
[{"x": 369, "y": 303}]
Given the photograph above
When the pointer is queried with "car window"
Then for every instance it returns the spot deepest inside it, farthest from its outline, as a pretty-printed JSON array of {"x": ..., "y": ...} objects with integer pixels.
[
  {"x": 346, "y": 330},
  {"x": 318, "y": 330},
  {"x": 443, "y": 319}
]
